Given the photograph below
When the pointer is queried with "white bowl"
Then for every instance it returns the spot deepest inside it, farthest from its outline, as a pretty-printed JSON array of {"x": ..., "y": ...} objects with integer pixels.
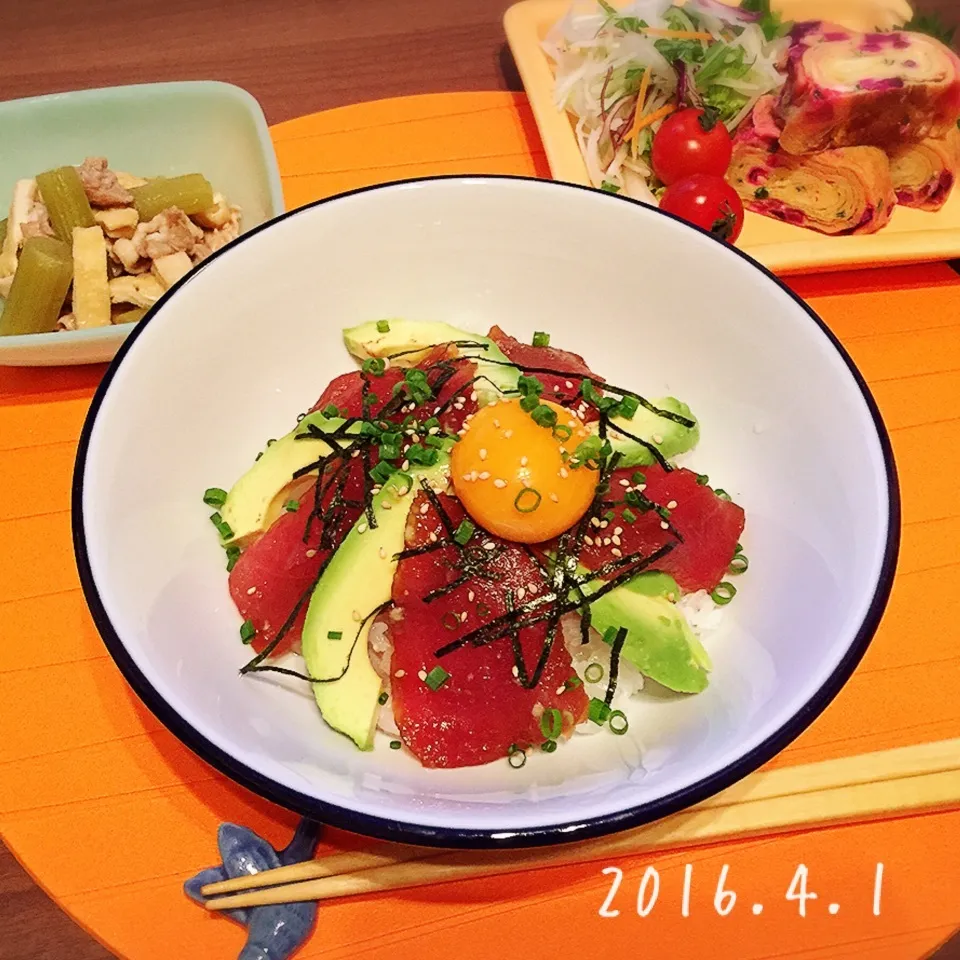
[{"x": 250, "y": 339}]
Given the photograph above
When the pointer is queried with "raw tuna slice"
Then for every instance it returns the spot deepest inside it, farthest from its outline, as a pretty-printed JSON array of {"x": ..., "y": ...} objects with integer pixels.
[
  {"x": 710, "y": 527},
  {"x": 273, "y": 574},
  {"x": 482, "y": 708},
  {"x": 561, "y": 389}
]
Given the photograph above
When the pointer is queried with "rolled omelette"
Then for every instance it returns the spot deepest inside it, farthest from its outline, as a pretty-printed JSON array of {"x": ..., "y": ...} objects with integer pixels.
[
  {"x": 847, "y": 190},
  {"x": 847, "y": 89},
  {"x": 924, "y": 173}
]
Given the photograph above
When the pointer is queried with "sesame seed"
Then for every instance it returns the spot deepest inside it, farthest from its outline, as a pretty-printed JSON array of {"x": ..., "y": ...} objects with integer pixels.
[
  {"x": 311, "y": 554},
  {"x": 461, "y": 433},
  {"x": 470, "y": 596},
  {"x": 588, "y": 541},
  {"x": 492, "y": 403},
  {"x": 383, "y": 553},
  {"x": 473, "y": 395},
  {"x": 515, "y": 671},
  {"x": 556, "y": 388},
  {"x": 618, "y": 530},
  {"x": 532, "y": 588},
  {"x": 466, "y": 477},
  {"x": 474, "y": 475},
  {"x": 624, "y": 483},
  {"x": 496, "y": 423},
  {"x": 484, "y": 476},
  {"x": 657, "y": 438},
  {"x": 361, "y": 528},
  {"x": 561, "y": 691},
  {"x": 568, "y": 384},
  {"x": 563, "y": 449},
  {"x": 405, "y": 465},
  {"x": 507, "y": 434},
  {"x": 672, "y": 597},
  {"x": 521, "y": 593},
  {"x": 616, "y": 552},
  {"x": 356, "y": 453},
  {"x": 433, "y": 431},
  {"x": 400, "y": 674},
  {"x": 595, "y": 521},
  {"x": 563, "y": 473},
  {"x": 433, "y": 537},
  {"x": 523, "y": 461},
  {"x": 554, "y": 498},
  {"x": 357, "y": 615},
  {"x": 500, "y": 484},
  {"x": 463, "y": 616},
  {"x": 483, "y": 453},
  {"x": 415, "y": 438},
  {"x": 615, "y": 540},
  {"x": 424, "y": 508},
  {"x": 489, "y": 545},
  {"x": 571, "y": 423},
  {"x": 251, "y": 591},
  {"x": 664, "y": 525},
  {"x": 672, "y": 505},
  {"x": 386, "y": 505},
  {"x": 640, "y": 487},
  {"x": 422, "y": 674},
  {"x": 604, "y": 524},
  {"x": 376, "y": 489},
  {"x": 606, "y": 541},
  {"x": 410, "y": 432}
]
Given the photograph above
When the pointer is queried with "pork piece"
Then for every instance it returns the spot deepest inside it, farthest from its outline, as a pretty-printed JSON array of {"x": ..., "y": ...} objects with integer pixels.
[
  {"x": 846, "y": 190},
  {"x": 170, "y": 231},
  {"x": 101, "y": 185},
  {"x": 848, "y": 89}
]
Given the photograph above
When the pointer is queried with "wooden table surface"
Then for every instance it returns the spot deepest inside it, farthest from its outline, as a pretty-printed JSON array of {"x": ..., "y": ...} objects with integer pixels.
[{"x": 295, "y": 57}]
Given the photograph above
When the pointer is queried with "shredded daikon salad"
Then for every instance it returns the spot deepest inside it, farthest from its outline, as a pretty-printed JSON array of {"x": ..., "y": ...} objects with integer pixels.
[{"x": 620, "y": 73}]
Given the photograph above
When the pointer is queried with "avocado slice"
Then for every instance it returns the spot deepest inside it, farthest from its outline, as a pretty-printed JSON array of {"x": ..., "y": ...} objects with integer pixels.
[
  {"x": 660, "y": 643},
  {"x": 669, "y": 437},
  {"x": 250, "y": 505},
  {"x": 357, "y": 581},
  {"x": 366, "y": 340}
]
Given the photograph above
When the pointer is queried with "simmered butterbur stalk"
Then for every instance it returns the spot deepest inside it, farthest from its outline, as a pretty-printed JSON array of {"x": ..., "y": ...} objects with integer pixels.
[
  {"x": 192, "y": 193},
  {"x": 39, "y": 287},
  {"x": 62, "y": 192},
  {"x": 130, "y": 316},
  {"x": 91, "y": 290}
]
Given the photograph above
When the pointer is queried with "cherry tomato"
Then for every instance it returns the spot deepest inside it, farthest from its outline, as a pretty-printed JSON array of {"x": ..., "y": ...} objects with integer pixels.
[
  {"x": 708, "y": 202},
  {"x": 688, "y": 142}
]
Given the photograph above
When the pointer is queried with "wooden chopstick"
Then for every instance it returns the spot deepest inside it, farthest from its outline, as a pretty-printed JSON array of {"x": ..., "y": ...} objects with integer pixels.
[{"x": 886, "y": 783}]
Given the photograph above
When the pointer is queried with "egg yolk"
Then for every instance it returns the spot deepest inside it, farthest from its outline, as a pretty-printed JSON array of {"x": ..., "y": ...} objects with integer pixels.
[{"x": 510, "y": 473}]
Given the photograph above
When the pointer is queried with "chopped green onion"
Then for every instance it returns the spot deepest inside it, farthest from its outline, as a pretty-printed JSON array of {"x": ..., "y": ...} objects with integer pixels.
[
  {"x": 247, "y": 631},
  {"x": 436, "y": 678},
  {"x": 214, "y": 497},
  {"x": 383, "y": 326},
  {"x": 722, "y": 494},
  {"x": 334, "y": 634},
  {"x": 572, "y": 683},
  {"x": 330, "y": 410},
  {"x": 270, "y": 443},
  {"x": 483, "y": 610},
  {"x": 548, "y": 746},
  {"x": 628, "y": 515},
  {"x": 383, "y": 698},
  {"x": 738, "y": 549},
  {"x": 450, "y": 620},
  {"x": 463, "y": 533},
  {"x": 516, "y": 757},
  {"x": 529, "y": 403},
  {"x": 551, "y": 723},
  {"x": 527, "y": 500},
  {"x": 738, "y": 564},
  {"x": 543, "y": 416},
  {"x": 431, "y": 423},
  {"x": 292, "y": 506},
  {"x": 618, "y": 722},
  {"x": 395, "y": 744},
  {"x": 233, "y": 555},
  {"x": 426, "y": 456},
  {"x": 562, "y": 432},
  {"x": 723, "y": 593},
  {"x": 223, "y": 528},
  {"x": 610, "y": 634},
  {"x": 702, "y": 479},
  {"x": 608, "y": 186},
  {"x": 628, "y": 406},
  {"x": 664, "y": 512},
  {"x": 438, "y": 443},
  {"x": 529, "y": 386},
  {"x": 374, "y": 365},
  {"x": 609, "y": 515},
  {"x": 639, "y": 477},
  {"x": 594, "y": 671},
  {"x": 541, "y": 339},
  {"x": 598, "y": 711},
  {"x": 382, "y": 472}
]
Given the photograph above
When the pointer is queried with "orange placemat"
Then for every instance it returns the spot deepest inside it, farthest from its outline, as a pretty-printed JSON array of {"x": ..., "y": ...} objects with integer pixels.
[{"x": 110, "y": 813}]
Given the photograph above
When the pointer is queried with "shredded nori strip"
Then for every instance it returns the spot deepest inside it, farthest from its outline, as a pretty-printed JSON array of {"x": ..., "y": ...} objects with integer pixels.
[{"x": 616, "y": 648}]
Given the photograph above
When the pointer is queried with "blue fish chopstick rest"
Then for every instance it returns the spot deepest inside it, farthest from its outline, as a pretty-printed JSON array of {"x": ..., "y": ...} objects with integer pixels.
[{"x": 276, "y": 931}]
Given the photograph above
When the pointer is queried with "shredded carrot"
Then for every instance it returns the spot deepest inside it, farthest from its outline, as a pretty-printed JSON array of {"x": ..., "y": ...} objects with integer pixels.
[
  {"x": 678, "y": 34},
  {"x": 664, "y": 111},
  {"x": 638, "y": 113}
]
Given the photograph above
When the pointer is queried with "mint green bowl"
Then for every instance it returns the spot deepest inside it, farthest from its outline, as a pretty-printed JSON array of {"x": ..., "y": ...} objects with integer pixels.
[{"x": 153, "y": 129}]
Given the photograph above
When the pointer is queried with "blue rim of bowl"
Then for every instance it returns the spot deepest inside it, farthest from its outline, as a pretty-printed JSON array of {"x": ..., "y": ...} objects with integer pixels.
[{"x": 425, "y": 835}]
